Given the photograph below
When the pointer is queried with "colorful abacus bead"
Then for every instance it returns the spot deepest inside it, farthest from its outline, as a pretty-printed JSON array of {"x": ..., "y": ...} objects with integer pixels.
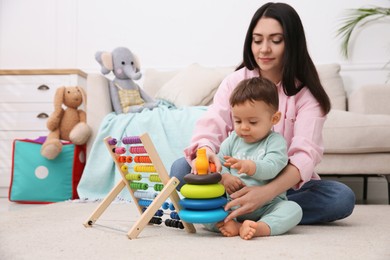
[
  {"x": 133, "y": 177},
  {"x": 144, "y": 203},
  {"x": 174, "y": 215},
  {"x": 144, "y": 168},
  {"x": 139, "y": 186},
  {"x": 142, "y": 159},
  {"x": 137, "y": 149},
  {"x": 159, "y": 212},
  {"x": 124, "y": 168},
  {"x": 112, "y": 141},
  {"x": 119, "y": 150},
  {"x": 158, "y": 187},
  {"x": 155, "y": 220},
  {"x": 131, "y": 140},
  {"x": 174, "y": 223},
  {"x": 154, "y": 178},
  {"x": 165, "y": 205},
  {"x": 140, "y": 194}
]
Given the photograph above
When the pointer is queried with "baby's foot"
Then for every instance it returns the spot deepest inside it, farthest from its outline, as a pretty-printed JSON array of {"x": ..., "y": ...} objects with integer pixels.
[
  {"x": 250, "y": 229},
  {"x": 230, "y": 228}
]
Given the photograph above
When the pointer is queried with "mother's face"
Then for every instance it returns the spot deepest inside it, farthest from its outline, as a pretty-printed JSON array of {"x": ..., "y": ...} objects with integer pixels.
[{"x": 268, "y": 48}]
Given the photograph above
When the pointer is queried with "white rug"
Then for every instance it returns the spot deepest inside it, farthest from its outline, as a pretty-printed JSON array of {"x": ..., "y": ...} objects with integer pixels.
[{"x": 56, "y": 231}]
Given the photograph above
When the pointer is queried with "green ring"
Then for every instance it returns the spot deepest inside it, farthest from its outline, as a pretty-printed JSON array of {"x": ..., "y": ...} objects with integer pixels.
[{"x": 205, "y": 191}]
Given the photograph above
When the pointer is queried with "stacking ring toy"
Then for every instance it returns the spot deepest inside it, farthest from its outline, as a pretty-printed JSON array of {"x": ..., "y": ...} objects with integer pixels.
[
  {"x": 206, "y": 191},
  {"x": 199, "y": 216},
  {"x": 203, "y": 179},
  {"x": 203, "y": 204}
]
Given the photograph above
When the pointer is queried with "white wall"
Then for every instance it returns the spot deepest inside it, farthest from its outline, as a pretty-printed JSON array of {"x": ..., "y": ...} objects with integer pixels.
[
  {"x": 166, "y": 34},
  {"x": 175, "y": 33}
]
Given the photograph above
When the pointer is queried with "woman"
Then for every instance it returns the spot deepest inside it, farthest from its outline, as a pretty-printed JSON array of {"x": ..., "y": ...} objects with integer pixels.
[{"x": 275, "y": 48}]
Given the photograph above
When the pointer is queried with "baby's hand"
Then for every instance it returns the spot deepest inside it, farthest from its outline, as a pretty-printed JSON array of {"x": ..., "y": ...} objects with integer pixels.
[
  {"x": 231, "y": 183},
  {"x": 242, "y": 166},
  {"x": 229, "y": 161}
]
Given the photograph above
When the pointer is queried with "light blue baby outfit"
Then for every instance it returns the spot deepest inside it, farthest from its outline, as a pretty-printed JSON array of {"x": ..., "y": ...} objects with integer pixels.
[{"x": 270, "y": 156}]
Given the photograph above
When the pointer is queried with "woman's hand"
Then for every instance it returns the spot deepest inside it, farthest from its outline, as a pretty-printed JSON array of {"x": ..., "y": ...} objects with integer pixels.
[
  {"x": 212, "y": 158},
  {"x": 248, "y": 199}
]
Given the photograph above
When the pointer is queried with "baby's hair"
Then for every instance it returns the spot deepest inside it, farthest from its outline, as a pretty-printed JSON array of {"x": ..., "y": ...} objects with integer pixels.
[{"x": 255, "y": 89}]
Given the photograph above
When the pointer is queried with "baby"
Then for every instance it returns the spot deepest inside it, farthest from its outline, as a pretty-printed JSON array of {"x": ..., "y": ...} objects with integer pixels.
[{"x": 253, "y": 155}]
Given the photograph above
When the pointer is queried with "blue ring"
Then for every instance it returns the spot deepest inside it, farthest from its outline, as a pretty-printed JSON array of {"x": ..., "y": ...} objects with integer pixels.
[
  {"x": 203, "y": 216},
  {"x": 203, "y": 204}
]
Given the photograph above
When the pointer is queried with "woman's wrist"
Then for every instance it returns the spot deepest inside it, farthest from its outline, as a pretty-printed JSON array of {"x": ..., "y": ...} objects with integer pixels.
[
  {"x": 288, "y": 178},
  {"x": 208, "y": 149},
  {"x": 268, "y": 192}
]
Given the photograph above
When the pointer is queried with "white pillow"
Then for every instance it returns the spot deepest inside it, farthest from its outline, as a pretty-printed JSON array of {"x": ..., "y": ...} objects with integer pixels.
[
  {"x": 155, "y": 79},
  {"x": 192, "y": 86},
  {"x": 333, "y": 84}
]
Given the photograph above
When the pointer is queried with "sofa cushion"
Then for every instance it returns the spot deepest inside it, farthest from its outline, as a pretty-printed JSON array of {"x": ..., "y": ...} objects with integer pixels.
[
  {"x": 192, "y": 86},
  {"x": 154, "y": 79},
  {"x": 370, "y": 99},
  {"x": 332, "y": 82},
  {"x": 177, "y": 86},
  {"x": 347, "y": 132},
  {"x": 352, "y": 163}
]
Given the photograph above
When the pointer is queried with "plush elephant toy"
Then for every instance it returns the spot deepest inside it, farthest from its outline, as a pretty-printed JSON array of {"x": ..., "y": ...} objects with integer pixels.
[{"x": 126, "y": 95}]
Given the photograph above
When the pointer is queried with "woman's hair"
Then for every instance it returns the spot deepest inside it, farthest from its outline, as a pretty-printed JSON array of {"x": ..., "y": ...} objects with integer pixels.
[
  {"x": 255, "y": 89},
  {"x": 297, "y": 64}
]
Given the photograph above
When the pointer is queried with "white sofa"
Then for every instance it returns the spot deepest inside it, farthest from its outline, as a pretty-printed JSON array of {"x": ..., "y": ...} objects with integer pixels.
[{"x": 356, "y": 133}]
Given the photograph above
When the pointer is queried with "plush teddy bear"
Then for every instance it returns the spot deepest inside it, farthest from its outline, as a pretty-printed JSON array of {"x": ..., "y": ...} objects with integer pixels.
[
  {"x": 126, "y": 95},
  {"x": 67, "y": 124}
]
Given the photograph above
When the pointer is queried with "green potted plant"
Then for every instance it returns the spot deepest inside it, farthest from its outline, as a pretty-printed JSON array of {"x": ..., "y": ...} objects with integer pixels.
[{"x": 355, "y": 18}]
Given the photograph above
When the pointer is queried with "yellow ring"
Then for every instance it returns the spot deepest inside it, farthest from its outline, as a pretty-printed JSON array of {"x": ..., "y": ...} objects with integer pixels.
[{"x": 205, "y": 191}]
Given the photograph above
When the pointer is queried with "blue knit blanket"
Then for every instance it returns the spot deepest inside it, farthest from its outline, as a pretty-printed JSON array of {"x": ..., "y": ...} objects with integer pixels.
[{"x": 169, "y": 128}]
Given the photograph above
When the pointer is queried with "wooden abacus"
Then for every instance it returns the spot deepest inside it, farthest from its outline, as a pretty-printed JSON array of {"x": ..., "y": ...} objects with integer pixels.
[{"x": 169, "y": 190}]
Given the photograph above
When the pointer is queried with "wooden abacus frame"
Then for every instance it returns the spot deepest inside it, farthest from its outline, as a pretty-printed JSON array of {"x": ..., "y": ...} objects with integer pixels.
[{"x": 169, "y": 190}]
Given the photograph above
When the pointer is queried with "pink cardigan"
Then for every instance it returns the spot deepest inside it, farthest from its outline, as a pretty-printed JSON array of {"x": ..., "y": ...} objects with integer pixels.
[{"x": 301, "y": 125}]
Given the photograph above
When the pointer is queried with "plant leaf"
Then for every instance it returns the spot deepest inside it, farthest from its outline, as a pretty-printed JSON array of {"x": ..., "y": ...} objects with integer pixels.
[{"x": 355, "y": 18}]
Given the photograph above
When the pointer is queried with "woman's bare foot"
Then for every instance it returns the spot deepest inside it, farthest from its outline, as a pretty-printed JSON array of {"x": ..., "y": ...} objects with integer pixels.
[
  {"x": 250, "y": 229},
  {"x": 230, "y": 228}
]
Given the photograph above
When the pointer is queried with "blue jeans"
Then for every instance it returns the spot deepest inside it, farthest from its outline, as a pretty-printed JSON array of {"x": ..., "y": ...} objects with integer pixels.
[{"x": 321, "y": 200}]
